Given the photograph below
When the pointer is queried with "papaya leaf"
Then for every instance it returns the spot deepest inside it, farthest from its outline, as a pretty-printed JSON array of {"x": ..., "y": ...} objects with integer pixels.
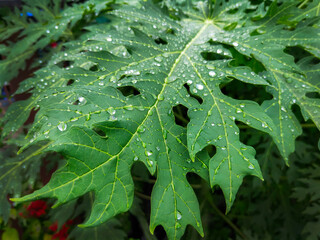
[{"x": 116, "y": 103}]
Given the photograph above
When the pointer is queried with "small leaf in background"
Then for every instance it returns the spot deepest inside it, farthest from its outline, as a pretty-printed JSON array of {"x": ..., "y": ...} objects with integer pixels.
[{"x": 10, "y": 234}]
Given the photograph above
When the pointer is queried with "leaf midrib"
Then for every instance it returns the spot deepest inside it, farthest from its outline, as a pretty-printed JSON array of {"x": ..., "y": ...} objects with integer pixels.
[{"x": 207, "y": 23}]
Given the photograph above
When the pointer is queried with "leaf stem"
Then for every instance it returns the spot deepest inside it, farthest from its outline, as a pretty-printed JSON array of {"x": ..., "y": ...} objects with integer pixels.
[
  {"x": 139, "y": 194},
  {"x": 226, "y": 219},
  {"x": 303, "y": 3},
  {"x": 181, "y": 118}
]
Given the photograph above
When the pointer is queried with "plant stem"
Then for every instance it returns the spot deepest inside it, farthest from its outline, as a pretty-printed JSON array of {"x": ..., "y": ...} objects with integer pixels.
[
  {"x": 303, "y": 3},
  {"x": 181, "y": 118},
  {"x": 227, "y": 220},
  {"x": 139, "y": 194}
]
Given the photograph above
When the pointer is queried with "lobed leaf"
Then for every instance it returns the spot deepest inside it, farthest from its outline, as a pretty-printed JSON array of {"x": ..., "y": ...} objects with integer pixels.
[{"x": 115, "y": 104}]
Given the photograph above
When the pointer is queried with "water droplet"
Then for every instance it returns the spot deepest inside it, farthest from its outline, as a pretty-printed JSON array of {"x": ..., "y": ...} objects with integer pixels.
[
  {"x": 158, "y": 59},
  {"x": 133, "y": 72},
  {"x": 251, "y": 166},
  {"x": 189, "y": 82},
  {"x": 172, "y": 79},
  {"x": 113, "y": 79},
  {"x": 219, "y": 51},
  {"x": 141, "y": 129},
  {"x": 129, "y": 107},
  {"x": 212, "y": 73},
  {"x": 178, "y": 225},
  {"x": 109, "y": 39},
  {"x": 148, "y": 153},
  {"x": 160, "y": 97},
  {"x": 235, "y": 44},
  {"x": 111, "y": 118},
  {"x": 199, "y": 86},
  {"x": 111, "y": 111},
  {"x": 264, "y": 125},
  {"x": 82, "y": 100},
  {"x": 165, "y": 134},
  {"x": 135, "y": 158},
  {"x": 141, "y": 108},
  {"x": 179, "y": 216},
  {"x": 62, "y": 126}
]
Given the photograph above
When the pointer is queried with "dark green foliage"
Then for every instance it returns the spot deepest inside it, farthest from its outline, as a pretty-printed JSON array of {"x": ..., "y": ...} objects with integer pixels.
[{"x": 216, "y": 89}]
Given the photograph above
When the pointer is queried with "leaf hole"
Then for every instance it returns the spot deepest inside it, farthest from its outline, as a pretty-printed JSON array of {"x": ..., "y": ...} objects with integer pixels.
[
  {"x": 297, "y": 52},
  {"x": 194, "y": 180},
  {"x": 94, "y": 68},
  {"x": 314, "y": 95},
  {"x": 181, "y": 115},
  {"x": 160, "y": 233},
  {"x": 295, "y": 108},
  {"x": 199, "y": 99},
  {"x": 70, "y": 82},
  {"x": 233, "y": 11},
  {"x": 249, "y": 135},
  {"x": 64, "y": 64},
  {"x": 211, "y": 149},
  {"x": 160, "y": 41},
  {"x": 211, "y": 56},
  {"x": 100, "y": 132},
  {"x": 129, "y": 91},
  {"x": 241, "y": 60},
  {"x": 246, "y": 91}
]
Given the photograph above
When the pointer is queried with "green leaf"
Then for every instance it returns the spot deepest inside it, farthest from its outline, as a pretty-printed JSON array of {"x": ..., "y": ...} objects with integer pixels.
[
  {"x": 51, "y": 25},
  {"x": 109, "y": 230},
  {"x": 15, "y": 170},
  {"x": 116, "y": 104},
  {"x": 10, "y": 234}
]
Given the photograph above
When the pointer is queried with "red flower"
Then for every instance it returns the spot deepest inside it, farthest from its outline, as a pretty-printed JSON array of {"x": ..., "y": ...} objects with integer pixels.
[
  {"x": 37, "y": 208},
  {"x": 63, "y": 232},
  {"x": 54, "y": 227},
  {"x": 54, "y": 45}
]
